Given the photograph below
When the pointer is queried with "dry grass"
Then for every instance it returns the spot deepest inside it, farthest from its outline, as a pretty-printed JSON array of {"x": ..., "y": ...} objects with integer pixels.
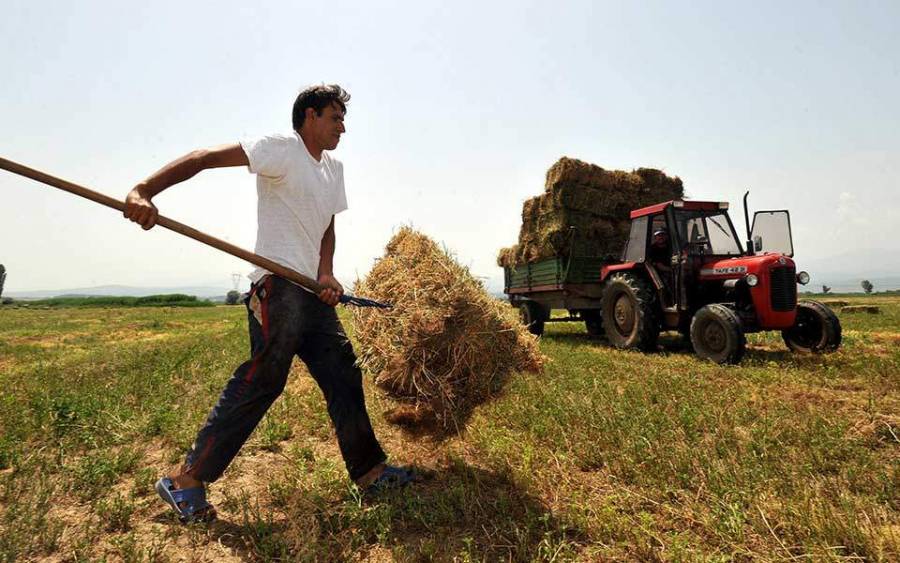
[{"x": 447, "y": 345}]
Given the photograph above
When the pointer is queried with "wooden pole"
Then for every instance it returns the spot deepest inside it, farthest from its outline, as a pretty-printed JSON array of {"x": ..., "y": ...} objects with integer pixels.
[{"x": 170, "y": 224}]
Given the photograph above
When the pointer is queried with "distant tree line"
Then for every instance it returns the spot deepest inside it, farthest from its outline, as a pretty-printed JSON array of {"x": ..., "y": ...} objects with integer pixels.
[{"x": 165, "y": 300}]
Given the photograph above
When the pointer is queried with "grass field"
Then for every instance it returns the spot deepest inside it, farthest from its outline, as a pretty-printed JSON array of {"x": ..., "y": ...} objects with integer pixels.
[{"x": 606, "y": 455}]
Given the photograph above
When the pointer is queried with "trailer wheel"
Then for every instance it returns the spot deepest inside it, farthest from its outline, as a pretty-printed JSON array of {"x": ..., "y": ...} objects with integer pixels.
[
  {"x": 816, "y": 330},
  {"x": 533, "y": 317},
  {"x": 717, "y": 334},
  {"x": 593, "y": 321},
  {"x": 630, "y": 318}
]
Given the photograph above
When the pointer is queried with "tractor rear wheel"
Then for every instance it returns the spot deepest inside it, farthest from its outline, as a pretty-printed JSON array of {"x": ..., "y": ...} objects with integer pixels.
[
  {"x": 717, "y": 334},
  {"x": 816, "y": 330},
  {"x": 593, "y": 321},
  {"x": 629, "y": 309},
  {"x": 533, "y": 316}
]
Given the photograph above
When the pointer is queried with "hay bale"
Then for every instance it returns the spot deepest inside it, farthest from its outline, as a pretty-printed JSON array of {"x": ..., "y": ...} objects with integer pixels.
[
  {"x": 584, "y": 211},
  {"x": 835, "y": 303},
  {"x": 447, "y": 345},
  {"x": 870, "y": 309}
]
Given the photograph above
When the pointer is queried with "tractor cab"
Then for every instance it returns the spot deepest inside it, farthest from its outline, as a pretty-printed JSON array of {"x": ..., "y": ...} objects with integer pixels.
[
  {"x": 686, "y": 248},
  {"x": 693, "y": 255},
  {"x": 696, "y": 228},
  {"x": 704, "y": 228}
]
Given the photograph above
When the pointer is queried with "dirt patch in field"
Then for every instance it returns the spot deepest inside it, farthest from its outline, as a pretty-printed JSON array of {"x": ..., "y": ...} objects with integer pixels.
[
  {"x": 137, "y": 336},
  {"x": 890, "y": 338},
  {"x": 52, "y": 340},
  {"x": 880, "y": 343},
  {"x": 75, "y": 339},
  {"x": 7, "y": 363},
  {"x": 874, "y": 421},
  {"x": 153, "y": 525}
]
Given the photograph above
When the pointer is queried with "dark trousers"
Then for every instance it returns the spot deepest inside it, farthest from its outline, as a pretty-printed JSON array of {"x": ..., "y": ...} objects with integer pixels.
[{"x": 285, "y": 321}]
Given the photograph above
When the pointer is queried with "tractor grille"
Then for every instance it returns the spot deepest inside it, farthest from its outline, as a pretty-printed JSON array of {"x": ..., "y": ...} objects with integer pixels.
[{"x": 783, "y": 288}]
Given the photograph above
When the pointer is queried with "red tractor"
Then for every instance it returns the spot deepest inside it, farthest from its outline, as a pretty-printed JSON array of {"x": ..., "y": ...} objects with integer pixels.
[{"x": 684, "y": 269}]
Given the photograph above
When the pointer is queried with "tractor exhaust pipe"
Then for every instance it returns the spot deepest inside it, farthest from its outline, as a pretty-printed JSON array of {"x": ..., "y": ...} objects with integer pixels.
[{"x": 750, "y": 251}]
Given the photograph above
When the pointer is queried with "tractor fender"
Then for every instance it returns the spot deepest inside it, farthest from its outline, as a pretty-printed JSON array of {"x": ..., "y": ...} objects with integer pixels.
[
  {"x": 648, "y": 269},
  {"x": 607, "y": 271}
]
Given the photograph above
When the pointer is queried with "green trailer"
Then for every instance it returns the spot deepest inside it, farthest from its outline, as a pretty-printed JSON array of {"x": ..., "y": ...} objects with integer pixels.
[{"x": 561, "y": 282}]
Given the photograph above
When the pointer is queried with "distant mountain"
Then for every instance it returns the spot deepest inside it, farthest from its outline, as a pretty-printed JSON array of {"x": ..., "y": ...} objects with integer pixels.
[
  {"x": 843, "y": 272},
  {"x": 851, "y": 284},
  {"x": 120, "y": 291},
  {"x": 870, "y": 262}
]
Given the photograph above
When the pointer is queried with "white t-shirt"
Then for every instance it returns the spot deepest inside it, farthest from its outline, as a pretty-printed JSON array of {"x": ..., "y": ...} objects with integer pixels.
[{"x": 298, "y": 196}]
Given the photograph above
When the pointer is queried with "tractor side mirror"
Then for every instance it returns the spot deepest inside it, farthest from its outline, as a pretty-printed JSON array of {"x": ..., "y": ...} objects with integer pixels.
[{"x": 757, "y": 243}]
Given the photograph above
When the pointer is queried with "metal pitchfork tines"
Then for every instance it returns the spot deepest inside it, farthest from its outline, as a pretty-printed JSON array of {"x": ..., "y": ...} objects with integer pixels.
[
  {"x": 187, "y": 231},
  {"x": 363, "y": 302}
]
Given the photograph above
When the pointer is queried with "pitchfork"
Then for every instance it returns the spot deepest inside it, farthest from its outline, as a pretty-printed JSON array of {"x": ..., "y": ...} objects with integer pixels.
[{"x": 183, "y": 229}]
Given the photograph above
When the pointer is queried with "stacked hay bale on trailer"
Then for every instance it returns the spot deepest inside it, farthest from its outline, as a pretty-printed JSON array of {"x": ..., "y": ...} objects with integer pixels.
[
  {"x": 578, "y": 223},
  {"x": 584, "y": 211}
]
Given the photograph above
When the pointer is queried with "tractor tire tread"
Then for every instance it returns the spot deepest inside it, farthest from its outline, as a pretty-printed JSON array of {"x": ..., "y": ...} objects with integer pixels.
[
  {"x": 830, "y": 323},
  {"x": 731, "y": 322},
  {"x": 647, "y": 316}
]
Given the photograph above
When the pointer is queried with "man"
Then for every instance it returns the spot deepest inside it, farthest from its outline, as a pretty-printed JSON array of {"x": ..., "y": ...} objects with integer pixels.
[
  {"x": 300, "y": 188},
  {"x": 660, "y": 255}
]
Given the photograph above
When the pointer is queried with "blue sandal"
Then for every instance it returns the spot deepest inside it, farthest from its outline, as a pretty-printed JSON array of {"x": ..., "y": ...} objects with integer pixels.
[
  {"x": 391, "y": 478},
  {"x": 195, "y": 509}
]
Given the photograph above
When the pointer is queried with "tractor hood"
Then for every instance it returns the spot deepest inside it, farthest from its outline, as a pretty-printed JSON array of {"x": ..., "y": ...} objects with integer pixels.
[
  {"x": 741, "y": 266},
  {"x": 771, "y": 280}
]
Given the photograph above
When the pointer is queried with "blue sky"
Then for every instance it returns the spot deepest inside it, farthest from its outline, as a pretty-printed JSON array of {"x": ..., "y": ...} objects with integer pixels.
[{"x": 458, "y": 109}]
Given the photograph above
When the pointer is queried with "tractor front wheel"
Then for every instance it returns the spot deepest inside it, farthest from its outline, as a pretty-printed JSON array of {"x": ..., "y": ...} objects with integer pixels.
[
  {"x": 717, "y": 334},
  {"x": 533, "y": 316},
  {"x": 629, "y": 308},
  {"x": 816, "y": 330}
]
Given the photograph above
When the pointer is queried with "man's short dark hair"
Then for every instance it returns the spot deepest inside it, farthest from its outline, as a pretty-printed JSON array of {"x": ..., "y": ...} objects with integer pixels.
[{"x": 318, "y": 97}]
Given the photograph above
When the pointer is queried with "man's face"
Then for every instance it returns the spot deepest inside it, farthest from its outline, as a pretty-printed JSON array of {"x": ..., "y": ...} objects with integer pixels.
[
  {"x": 660, "y": 240},
  {"x": 327, "y": 128}
]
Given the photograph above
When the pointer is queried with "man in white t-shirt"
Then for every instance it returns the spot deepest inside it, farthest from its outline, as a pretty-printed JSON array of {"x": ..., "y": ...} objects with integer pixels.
[{"x": 300, "y": 188}]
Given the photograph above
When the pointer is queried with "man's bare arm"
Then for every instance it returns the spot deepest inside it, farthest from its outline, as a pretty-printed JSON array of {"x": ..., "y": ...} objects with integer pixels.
[
  {"x": 138, "y": 205},
  {"x": 326, "y": 251},
  {"x": 333, "y": 288}
]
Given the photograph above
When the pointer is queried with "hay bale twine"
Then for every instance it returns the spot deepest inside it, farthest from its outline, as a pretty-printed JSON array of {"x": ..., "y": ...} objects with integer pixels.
[{"x": 447, "y": 345}]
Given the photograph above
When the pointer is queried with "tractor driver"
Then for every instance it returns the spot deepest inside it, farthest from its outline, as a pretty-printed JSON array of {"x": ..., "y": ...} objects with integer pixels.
[{"x": 659, "y": 254}]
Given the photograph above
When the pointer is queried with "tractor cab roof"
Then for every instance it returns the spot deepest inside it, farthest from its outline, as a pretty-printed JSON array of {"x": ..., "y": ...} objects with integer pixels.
[{"x": 681, "y": 204}]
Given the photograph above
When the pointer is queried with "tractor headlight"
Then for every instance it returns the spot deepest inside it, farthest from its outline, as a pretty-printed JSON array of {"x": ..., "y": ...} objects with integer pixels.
[
  {"x": 803, "y": 278},
  {"x": 751, "y": 280}
]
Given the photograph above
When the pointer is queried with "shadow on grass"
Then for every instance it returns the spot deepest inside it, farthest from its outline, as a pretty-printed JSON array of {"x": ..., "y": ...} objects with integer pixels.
[
  {"x": 674, "y": 343},
  {"x": 455, "y": 512}
]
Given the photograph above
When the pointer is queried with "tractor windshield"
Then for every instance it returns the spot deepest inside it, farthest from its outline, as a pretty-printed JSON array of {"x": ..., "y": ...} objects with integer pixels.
[{"x": 707, "y": 232}]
